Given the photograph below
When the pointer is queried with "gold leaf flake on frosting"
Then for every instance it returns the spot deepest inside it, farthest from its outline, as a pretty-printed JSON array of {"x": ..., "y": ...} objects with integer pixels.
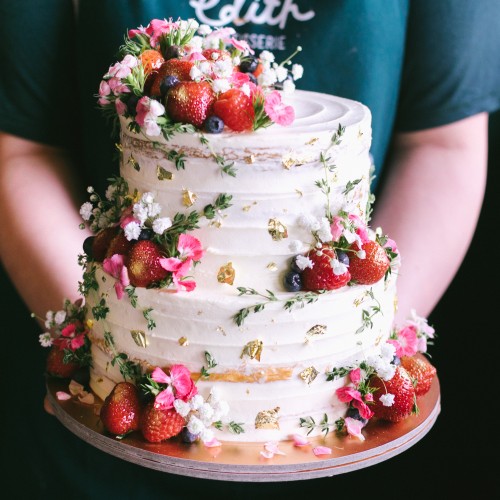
[
  {"x": 188, "y": 198},
  {"x": 163, "y": 174},
  {"x": 253, "y": 349},
  {"x": 183, "y": 341},
  {"x": 312, "y": 141},
  {"x": 272, "y": 266},
  {"x": 299, "y": 192},
  {"x": 226, "y": 274},
  {"x": 139, "y": 337},
  {"x": 315, "y": 331},
  {"x": 360, "y": 134},
  {"x": 246, "y": 208},
  {"x": 309, "y": 374},
  {"x": 250, "y": 159},
  {"x": 219, "y": 329},
  {"x": 277, "y": 230},
  {"x": 288, "y": 161},
  {"x": 267, "y": 419},
  {"x": 134, "y": 163}
]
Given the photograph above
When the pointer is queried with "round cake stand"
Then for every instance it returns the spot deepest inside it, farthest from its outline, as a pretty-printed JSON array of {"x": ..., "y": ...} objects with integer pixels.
[{"x": 243, "y": 462}]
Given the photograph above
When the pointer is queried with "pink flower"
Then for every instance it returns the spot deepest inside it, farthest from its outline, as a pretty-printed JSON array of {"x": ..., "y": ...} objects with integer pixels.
[
  {"x": 117, "y": 86},
  {"x": 120, "y": 106},
  {"x": 347, "y": 394},
  {"x": 355, "y": 376},
  {"x": 277, "y": 110},
  {"x": 322, "y": 450},
  {"x": 406, "y": 343},
  {"x": 104, "y": 89},
  {"x": 299, "y": 440},
  {"x": 189, "y": 247},
  {"x": 363, "y": 408},
  {"x": 123, "y": 68},
  {"x": 354, "y": 427},
  {"x": 271, "y": 449},
  {"x": 63, "y": 396},
  {"x": 238, "y": 79},
  {"x": 165, "y": 399},
  {"x": 179, "y": 379},
  {"x": 148, "y": 110},
  {"x": 141, "y": 30},
  {"x": 159, "y": 27},
  {"x": 241, "y": 45},
  {"x": 392, "y": 245},
  {"x": 337, "y": 228},
  {"x": 115, "y": 266},
  {"x": 361, "y": 229},
  {"x": 70, "y": 339}
]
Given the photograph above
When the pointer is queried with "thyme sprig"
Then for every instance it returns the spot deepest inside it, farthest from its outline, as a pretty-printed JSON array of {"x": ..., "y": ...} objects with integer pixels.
[
  {"x": 310, "y": 424},
  {"x": 241, "y": 315},
  {"x": 211, "y": 363},
  {"x": 129, "y": 370},
  {"x": 368, "y": 314},
  {"x": 225, "y": 166}
]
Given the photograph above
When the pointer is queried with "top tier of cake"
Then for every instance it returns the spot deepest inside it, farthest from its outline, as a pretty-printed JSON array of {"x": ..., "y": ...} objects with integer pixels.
[{"x": 273, "y": 177}]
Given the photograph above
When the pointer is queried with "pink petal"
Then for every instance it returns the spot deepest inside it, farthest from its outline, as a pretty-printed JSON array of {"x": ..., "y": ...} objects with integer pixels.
[
  {"x": 160, "y": 376},
  {"x": 63, "y": 396},
  {"x": 267, "y": 454},
  {"x": 355, "y": 376},
  {"x": 171, "y": 264},
  {"x": 354, "y": 427},
  {"x": 299, "y": 440},
  {"x": 190, "y": 247},
  {"x": 119, "y": 290},
  {"x": 212, "y": 443},
  {"x": 364, "y": 409},
  {"x": 348, "y": 393},
  {"x": 322, "y": 450},
  {"x": 165, "y": 400},
  {"x": 272, "y": 447}
]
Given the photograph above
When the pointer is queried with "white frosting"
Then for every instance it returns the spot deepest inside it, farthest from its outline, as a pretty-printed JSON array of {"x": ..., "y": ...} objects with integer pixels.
[{"x": 269, "y": 184}]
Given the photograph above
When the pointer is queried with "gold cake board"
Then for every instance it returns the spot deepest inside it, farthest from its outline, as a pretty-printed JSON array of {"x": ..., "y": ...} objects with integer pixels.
[{"x": 243, "y": 462}]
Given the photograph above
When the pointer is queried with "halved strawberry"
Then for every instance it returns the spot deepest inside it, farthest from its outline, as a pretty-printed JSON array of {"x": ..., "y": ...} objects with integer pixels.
[
  {"x": 101, "y": 242},
  {"x": 55, "y": 365},
  {"x": 321, "y": 275},
  {"x": 143, "y": 263},
  {"x": 173, "y": 67},
  {"x": 401, "y": 387},
  {"x": 119, "y": 244},
  {"x": 421, "y": 371},
  {"x": 235, "y": 109},
  {"x": 190, "y": 102},
  {"x": 151, "y": 60},
  {"x": 158, "y": 425},
  {"x": 121, "y": 410},
  {"x": 373, "y": 267}
]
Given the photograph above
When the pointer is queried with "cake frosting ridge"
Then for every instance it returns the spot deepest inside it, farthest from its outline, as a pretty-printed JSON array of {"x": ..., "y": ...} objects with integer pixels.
[{"x": 233, "y": 275}]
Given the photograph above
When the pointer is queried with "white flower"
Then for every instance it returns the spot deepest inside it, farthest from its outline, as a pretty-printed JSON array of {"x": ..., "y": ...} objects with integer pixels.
[
  {"x": 297, "y": 71},
  {"x": 147, "y": 198},
  {"x": 132, "y": 231},
  {"x": 266, "y": 56},
  {"x": 204, "y": 29},
  {"x": 267, "y": 78},
  {"x": 196, "y": 74},
  {"x": 190, "y": 24},
  {"x": 387, "y": 399},
  {"x": 236, "y": 61},
  {"x": 221, "y": 85},
  {"x": 206, "y": 435},
  {"x": 206, "y": 412},
  {"x": 295, "y": 246},
  {"x": 386, "y": 371},
  {"x": 86, "y": 210},
  {"x": 182, "y": 408},
  {"x": 223, "y": 68},
  {"x": 215, "y": 394},
  {"x": 140, "y": 212},
  {"x": 196, "y": 44},
  {"x": 221, "y": 409},
  {"x": 45, "y": 339},
  {"x": 306, "y": 221},
  {"x": 205, "y": 67},
  {"x": 387, "y": 351},
  {"x": 49, "y": 319},
  {"x": 161, "y": 224},
  {"x": 245, "y": 88},
  {"x": 288, "y": 87},
  {"x": 195, "y": 425},
  {"x": 324, "y": 231},
  {"x": 90, "y": 189},
  {"x": 196, "y": 401},
  {"x": 361, "y": 254},
  {"x": 301, "y": 261},
  {"x": 59, "y": 317},
  {"x": 338, "y": 267},
  {"x": 154, "y": 209},
  {"x": 281, "y": 73}
]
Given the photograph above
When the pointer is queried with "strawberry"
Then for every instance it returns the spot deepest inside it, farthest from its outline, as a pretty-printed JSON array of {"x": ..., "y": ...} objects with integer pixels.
[
  {"x": 401, "y": 387},
  {"x": 101, "y": 243},
  {"x": 421, "y": 372},
  {"x": 235, "y": 109},
  {"x": 190, "y": 102},
  {"x": 119, "y": 244},
  {"x": 173, "y": 67},
  {"x": 121, "y": 410},
  {"x": 55, "y": 365},
  {"x": 143, "y": 263},
  {"x": 158, "y": 425},
  {"x": 372, "y": 268},
  {"x": 151, "y": 60},
  {"x": 321, "y": 275}
]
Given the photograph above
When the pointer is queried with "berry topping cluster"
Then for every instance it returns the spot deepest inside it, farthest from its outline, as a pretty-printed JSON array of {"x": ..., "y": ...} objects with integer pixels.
[{"x": 180, "y": 72}]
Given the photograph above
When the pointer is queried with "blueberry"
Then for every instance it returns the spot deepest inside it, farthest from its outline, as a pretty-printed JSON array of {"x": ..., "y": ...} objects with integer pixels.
[
  {"x": 249, "y": 64},
  {"x": 354, "y": 413},
  {"x": 293, "y": 265},
  {"x": 343, "y": 257},
  {"x": 214, "y": 125},
  {"x": 132, "y": 103},
  {"x": 87, "y": 245},
  {"x": 167, "y": 83},
  {"x": 252, "y": 78},
  {"x": 146, "y": 234},
  {"x": 292, "y": 282},
  {"x": 396, "y": 361},
  {"x": 188, "y": 437},
  {"x": 171, "y": 52}
]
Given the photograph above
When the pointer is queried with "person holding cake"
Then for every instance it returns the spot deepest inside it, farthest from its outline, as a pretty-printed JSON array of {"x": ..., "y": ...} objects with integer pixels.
[{"x": 429, "y": 111}]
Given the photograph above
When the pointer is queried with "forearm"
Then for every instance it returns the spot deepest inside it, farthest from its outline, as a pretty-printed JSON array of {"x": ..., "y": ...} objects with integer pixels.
[
  {"x": 40, "y": 237},
  {"x": 430, "y": 206}
]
